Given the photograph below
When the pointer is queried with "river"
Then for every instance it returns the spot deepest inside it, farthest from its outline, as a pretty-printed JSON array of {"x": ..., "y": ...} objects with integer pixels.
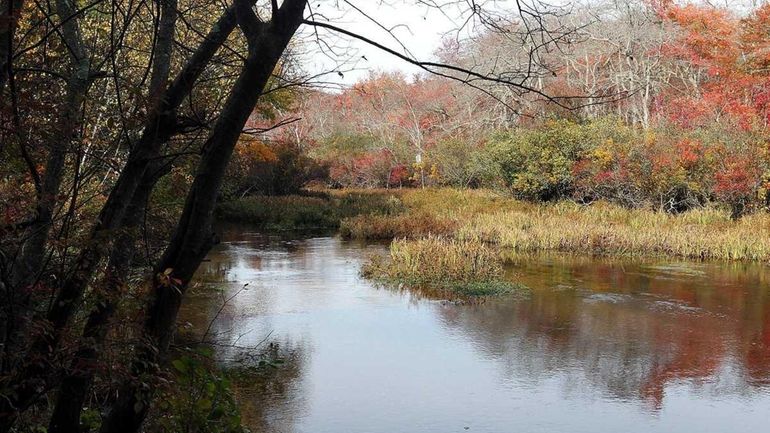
[{"x": 598, "y": 345}]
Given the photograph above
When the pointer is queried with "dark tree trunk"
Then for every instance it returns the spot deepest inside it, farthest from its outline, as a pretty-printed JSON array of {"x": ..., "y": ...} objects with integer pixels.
[
  {"x": 29, "y": 263},
  {"x": 159, "y": 128},
  {"x": 74, "y": 387},
  {"x": 164, "y": 49},
  {"x": 9, "y": 15},
  {"x": 30, "y": 382},
  {"x": 193, "y": 237}
]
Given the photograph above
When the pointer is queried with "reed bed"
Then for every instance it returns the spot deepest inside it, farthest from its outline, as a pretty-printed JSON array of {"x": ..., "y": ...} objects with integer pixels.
[
  {"x": 606, "y": 229},
  {"x": 440, "y": 266},
  {"x": 491, "y": 218},
  {"x": 439, "y": 212},
  {"x": 408, "y": 225},
  {"x": 319, "y": 210}
]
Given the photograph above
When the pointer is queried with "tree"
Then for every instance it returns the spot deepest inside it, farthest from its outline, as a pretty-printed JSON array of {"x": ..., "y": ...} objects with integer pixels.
[{"x": 112, "y": 96}]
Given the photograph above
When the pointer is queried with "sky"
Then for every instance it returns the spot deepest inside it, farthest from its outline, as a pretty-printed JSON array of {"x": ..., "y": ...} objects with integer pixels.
[{"x": 419, "y": 28}]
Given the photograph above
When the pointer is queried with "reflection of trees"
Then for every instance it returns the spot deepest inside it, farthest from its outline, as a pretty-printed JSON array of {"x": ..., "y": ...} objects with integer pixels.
[
  {"x": 269, "y": 396},
  {"x": 640, "y": 327}
]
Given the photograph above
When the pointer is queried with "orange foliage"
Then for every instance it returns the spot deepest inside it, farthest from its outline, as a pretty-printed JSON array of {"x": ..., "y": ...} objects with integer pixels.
[{"x": 733, "y": 54}]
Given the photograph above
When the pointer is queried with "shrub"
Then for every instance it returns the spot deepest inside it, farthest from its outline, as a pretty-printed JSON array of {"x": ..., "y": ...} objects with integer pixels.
[
  {"x": 667, "y": 168},
  {"x": 199, "y": 399},
  {"x": 537, "y": 164},
  {"x": 276, "y": 168},
  {"x": 460, "y": 163}
]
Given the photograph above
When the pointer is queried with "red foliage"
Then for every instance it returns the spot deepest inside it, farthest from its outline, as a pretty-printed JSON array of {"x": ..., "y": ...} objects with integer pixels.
[
  {"x": 738, "y": 178},
  {"x": 399, "y": 175},
  {"x": 689, "y": 152},
  {"x": 732, "y": 53}
]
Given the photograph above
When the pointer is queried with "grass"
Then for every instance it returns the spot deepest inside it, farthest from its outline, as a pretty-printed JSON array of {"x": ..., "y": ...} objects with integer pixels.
[
  {"x": 611, "y": 230},
  {"x": 439, "y": 267},
  {"x": 600, "y": 228},
  {"x": 319, "y": 211},
  {"x": 428, "y": 212},
  {"x": 449, "y": 242}
]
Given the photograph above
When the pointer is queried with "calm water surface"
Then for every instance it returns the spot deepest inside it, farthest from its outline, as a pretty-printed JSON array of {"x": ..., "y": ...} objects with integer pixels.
[{"x": 598, "y": 346}]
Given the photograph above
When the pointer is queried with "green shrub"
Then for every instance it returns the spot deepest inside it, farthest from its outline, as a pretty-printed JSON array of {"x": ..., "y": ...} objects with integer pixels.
[
  {"x": 198, "y": 399},
  {"x": 537, "y": 164}
]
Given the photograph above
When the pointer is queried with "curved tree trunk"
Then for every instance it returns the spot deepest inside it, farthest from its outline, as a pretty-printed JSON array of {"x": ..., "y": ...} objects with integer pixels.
[
  {"x": 193, "y": 237},
  {"x": 29, "y": 383},
  {"x": 73, "y": 389},
  {"x": 9, "y": 14}
]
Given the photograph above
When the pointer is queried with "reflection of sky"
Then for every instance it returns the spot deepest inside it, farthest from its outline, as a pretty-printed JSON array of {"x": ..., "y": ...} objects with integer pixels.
[{"x": 587, "y": 357}]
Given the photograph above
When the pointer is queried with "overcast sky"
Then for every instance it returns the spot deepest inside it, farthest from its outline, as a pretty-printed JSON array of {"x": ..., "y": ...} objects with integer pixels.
[{"x": 419, "y": 28}]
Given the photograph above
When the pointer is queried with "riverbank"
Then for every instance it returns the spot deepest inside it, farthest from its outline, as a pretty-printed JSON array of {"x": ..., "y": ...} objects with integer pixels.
[
  {"x": 509, "y": 224},
  {"x": 315, "y": 210}
]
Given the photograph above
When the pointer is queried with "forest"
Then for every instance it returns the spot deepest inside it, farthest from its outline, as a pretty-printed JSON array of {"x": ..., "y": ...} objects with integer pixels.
[
  {"x": 682, "y": 106},
  {"x": 135, "y": 134}
]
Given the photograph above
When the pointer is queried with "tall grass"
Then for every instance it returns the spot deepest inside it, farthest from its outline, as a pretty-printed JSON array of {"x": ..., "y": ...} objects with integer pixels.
[
  {"x": 608, "y": 229},
  {"x": 428, "y": 212},
  {"x": 438, "y": 266},
  {"x": 600, "y": 228},
  {"x": 491, "y": 218},
  {"x": 282, "y": 212},
  {"x": 319, "y": 211}
]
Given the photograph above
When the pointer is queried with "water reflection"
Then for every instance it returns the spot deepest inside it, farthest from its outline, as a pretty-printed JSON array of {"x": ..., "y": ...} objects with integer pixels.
[{"x": 599, "y": 345}]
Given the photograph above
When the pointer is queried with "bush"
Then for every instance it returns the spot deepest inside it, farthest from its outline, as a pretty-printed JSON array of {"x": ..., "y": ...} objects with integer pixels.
[
  {"x": 667, "y": 168},
  {"x": 538, "y": 164},
  {"x": 460, "y": 163},
  {"x": 199, "y": 399},
  {"x": 277, "y": 168}
]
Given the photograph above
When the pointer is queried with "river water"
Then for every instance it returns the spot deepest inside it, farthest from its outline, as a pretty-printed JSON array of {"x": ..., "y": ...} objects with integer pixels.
[{"x": 598, "y": 345}]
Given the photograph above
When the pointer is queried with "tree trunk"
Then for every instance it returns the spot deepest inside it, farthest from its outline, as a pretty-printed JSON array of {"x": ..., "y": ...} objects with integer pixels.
[
  {"x": 193, "y": 237},
  {"x": 159, "y": 128},
  {"x": 9, "y": 14},
  {"x": 29, "y": 263},
  {"x": 73, "y": 389},
  {"x": 29, "y": 383}
]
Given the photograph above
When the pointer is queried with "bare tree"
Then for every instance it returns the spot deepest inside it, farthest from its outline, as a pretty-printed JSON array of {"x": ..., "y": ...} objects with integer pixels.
[{"x": 115, "y": 88}]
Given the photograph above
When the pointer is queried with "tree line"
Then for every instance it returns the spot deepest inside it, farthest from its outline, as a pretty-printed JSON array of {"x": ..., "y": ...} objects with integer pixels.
[{"x": 674, "y": 114}]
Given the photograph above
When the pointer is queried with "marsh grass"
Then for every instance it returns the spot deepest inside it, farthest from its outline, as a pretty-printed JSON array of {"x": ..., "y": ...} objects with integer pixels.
[
  {"x": 601, "y": 228},
  {"x": 508, "y": 224},
  {"x": 316, "y": 211},
  {"x": 438, "y": 266},
  {"x": 703, "y": 234},
  {"x": 438, "y": 212}
]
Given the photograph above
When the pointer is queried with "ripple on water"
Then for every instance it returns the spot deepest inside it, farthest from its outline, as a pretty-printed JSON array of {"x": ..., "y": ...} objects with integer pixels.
[{"x": 598, "y": 345}]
